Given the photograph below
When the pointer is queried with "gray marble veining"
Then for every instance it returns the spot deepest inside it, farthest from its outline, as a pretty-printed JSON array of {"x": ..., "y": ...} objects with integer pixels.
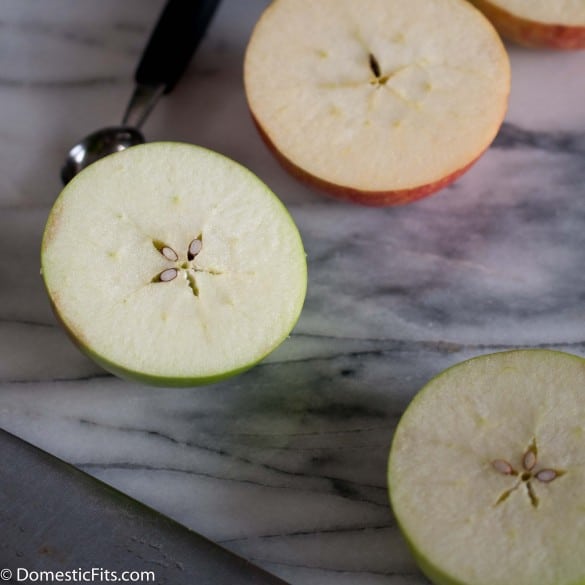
[{"x": 286, "y": 463}]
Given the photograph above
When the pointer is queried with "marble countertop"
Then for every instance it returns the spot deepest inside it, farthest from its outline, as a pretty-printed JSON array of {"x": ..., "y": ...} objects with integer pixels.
[{"x": 285, "y": 464}]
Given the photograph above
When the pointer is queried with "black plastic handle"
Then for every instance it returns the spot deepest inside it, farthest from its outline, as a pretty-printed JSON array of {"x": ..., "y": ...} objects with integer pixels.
[{"x": 177, "y": 34}]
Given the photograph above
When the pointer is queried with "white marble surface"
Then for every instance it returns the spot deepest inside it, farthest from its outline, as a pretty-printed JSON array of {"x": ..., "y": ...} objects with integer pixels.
[{"x": 286, "y": 463}]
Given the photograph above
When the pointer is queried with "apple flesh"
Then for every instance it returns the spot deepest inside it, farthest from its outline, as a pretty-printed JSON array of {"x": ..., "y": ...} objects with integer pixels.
[
  {"x": 553, "y": 25},
  {"x": 173, "y": 265},
  {"x": 354, "y": 195},
  {"x": 487, "y": 468},
  {"x": 379, "y": 102}
]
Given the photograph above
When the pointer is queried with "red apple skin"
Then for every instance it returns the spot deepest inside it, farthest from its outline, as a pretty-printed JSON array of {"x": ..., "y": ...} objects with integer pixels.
[
  {"x": 367, "y": 198},
  {"x": 530, "y": 33}
]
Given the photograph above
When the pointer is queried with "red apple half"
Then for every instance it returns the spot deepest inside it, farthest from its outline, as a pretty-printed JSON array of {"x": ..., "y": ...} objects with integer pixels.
[
  {"x": 556, "y": 24},
  {"x": 376, "y": 101}
]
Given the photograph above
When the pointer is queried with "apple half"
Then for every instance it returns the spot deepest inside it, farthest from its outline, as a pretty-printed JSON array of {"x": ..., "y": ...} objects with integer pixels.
[
  {"x": 487, "y": 471},
  {"x": 376, "y": 101},
  {"x": 555, "y": 24},
  {"x": 173, "y": 265}
]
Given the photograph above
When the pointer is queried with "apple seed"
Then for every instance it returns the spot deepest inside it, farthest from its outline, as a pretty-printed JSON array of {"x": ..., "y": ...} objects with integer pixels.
[
  {"x": 169, "y": 253},
  {"x": 374, "y": 66},
  {"x": 529, "y": 460},
  {"x": 168, "y": 274},
  {"x": 194, "y": 248},
  {"x": 546, "y": 475},
  {"x": 502, "y": 466}
]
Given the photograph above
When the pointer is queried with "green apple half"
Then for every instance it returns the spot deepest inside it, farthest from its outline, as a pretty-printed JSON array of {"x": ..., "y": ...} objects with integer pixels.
[
  {"x": 487, "y": 471},
  {"x": 173, "y": 265},
  {"x": 379, "y": 102}
]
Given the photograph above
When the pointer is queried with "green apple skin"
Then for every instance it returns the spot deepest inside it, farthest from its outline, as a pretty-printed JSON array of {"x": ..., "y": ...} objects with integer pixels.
[
  {"x": 434, "y": 574},
  {"x": 427, "y": 567},
  {"x": 165, "y": 381},
  {"x": 141, "y": 377}
]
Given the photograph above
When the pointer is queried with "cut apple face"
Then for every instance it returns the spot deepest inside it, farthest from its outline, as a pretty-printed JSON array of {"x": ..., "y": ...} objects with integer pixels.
[
  {"x": 556, "y": 24},
  {"x": 376, "y": 101},
  {"x": 487, "y": 469},
  {"x": 173, "y": 265}
]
